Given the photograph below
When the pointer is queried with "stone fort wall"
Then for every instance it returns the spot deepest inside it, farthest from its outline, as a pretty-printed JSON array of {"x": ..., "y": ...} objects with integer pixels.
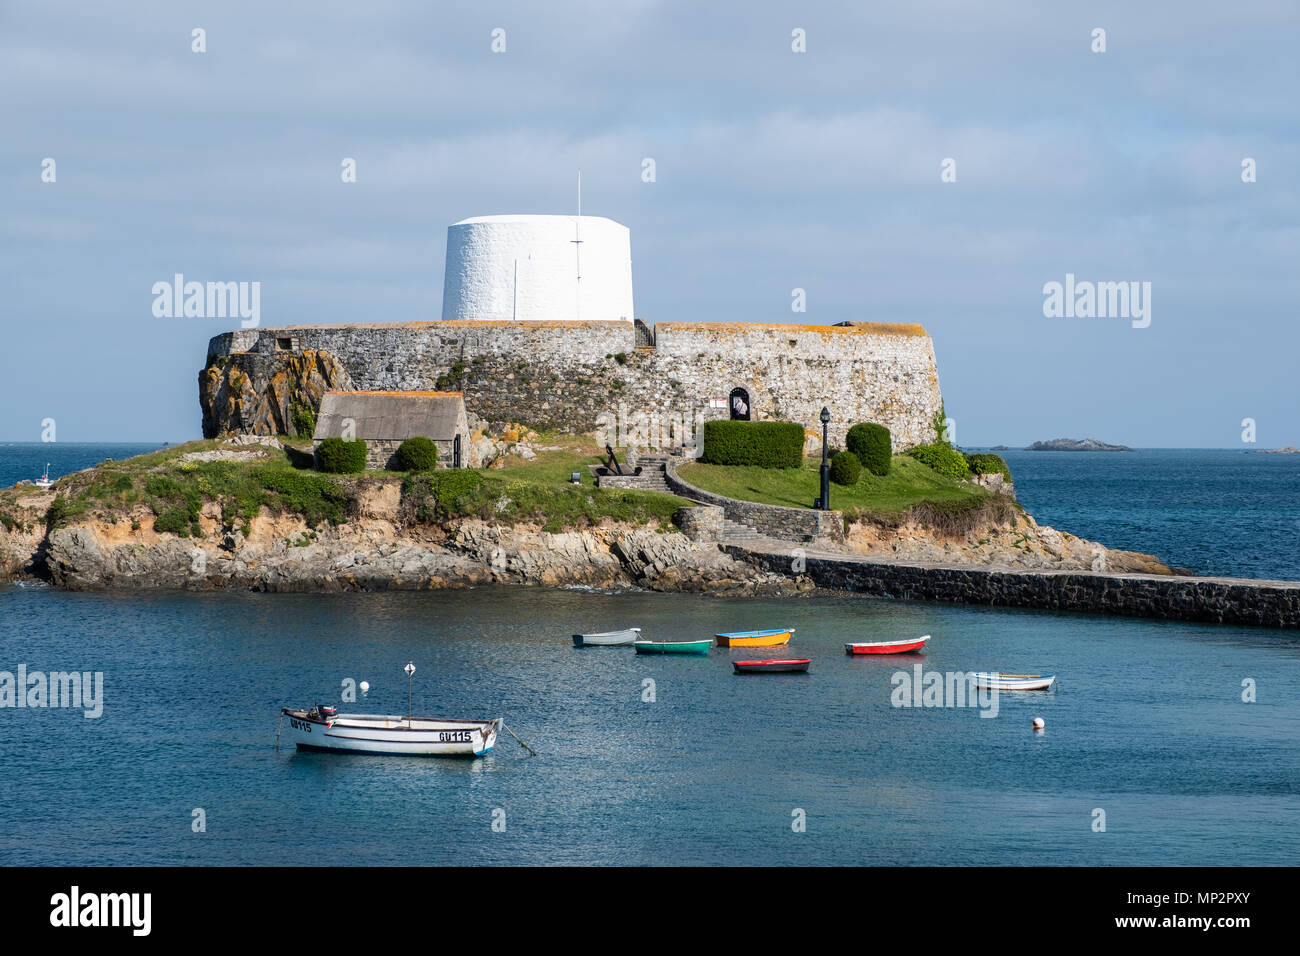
[{"x": 580, "y": 376}]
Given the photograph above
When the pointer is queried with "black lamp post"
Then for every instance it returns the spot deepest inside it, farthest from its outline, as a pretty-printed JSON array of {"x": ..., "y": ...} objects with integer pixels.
[{"x": 824, "y": 502}]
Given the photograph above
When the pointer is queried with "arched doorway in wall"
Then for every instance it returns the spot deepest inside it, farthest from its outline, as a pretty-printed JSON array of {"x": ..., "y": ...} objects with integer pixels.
[{"x": 738, "y": 405}]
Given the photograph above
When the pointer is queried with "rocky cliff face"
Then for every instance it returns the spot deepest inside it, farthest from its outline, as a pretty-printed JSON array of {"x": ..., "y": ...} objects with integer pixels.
[
  {"x": 1021, "y": 544},
  {"x": 255, "y": 393},
  {"x": 281, "y": 554}
]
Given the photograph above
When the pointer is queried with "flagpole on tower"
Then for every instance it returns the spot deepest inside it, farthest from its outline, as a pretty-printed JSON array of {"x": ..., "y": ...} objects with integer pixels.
[{"x": 577, "y": 246}]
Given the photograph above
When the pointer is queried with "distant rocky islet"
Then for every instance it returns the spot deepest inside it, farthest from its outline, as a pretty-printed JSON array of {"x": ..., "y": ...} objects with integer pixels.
[{"x": 1075, "y": 444}]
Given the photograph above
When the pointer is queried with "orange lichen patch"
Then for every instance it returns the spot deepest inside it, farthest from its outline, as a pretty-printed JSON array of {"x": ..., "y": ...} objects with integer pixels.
[
  {"x": 857, "y": 328},
  {"x": 457, "y": 323},
  {"x": 412, "y": 394}
]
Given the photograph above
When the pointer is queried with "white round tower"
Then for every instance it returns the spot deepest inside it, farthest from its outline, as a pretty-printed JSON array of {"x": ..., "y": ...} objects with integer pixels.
[{"x": 535, "y": 268}]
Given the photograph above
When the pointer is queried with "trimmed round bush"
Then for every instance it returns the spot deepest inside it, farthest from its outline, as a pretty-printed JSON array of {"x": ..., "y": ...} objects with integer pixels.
[
  {"x": 871, "y": 443},
  {"x": 986, "y": 463},
  {"x": 761, "y": 444},
  {"x": 417, "y": 454},
  {"x": 339, "y": 457},
  {"x": 845, "y": 468},
  {"x": 942, "y": 458}
]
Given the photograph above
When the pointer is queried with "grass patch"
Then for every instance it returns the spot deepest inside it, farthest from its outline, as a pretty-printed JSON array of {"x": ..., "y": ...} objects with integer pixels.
[
  {"x": 910, "y": 492},
  {"x": 536, "y": 491}
]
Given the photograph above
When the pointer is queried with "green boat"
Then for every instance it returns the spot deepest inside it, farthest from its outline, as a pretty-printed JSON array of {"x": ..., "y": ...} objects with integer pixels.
[{"x": 674, "y": 647}]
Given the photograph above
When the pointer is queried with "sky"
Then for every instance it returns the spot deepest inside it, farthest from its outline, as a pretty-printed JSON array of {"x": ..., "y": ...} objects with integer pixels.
[{"x": 774, "y": 170}]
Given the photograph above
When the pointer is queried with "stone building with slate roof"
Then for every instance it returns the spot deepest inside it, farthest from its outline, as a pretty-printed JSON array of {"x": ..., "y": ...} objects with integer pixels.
[{"x": 383, "y": 420}]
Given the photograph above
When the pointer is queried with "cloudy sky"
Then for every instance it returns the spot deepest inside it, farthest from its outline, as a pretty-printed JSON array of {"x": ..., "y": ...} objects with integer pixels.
[{"x": 775, "y": 170}]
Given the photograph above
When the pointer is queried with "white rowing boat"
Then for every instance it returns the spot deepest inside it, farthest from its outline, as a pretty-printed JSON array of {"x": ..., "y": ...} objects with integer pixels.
[
  {"x": 319, "y": 728},
  {"x": 625, "y": 637},
  {"x": 999, "y": 681}
]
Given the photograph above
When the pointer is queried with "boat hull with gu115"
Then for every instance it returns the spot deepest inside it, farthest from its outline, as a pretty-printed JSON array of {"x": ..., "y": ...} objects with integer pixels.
[{"x": 321, "y": 729}]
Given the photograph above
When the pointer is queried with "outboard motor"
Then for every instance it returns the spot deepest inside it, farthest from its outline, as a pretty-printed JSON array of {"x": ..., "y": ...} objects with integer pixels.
[{"x": 329, "y": 713}]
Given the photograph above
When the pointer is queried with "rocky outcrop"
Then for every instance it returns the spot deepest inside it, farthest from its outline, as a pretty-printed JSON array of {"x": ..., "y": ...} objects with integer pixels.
[
  {"x": 1021, "y": 543},
  {"x": 281, "y": 554},
  {"x": 259, "y": 393}
]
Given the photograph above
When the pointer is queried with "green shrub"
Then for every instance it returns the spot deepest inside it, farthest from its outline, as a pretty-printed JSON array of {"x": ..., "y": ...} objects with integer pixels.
[
  {"x": 339, "y": 457},
  {"x": 175, "y": 520},
  {"x": 315, "y": 497},
  {"x": 942, "y": 458},
  {"x": 872, "y": 444},
  {"x": 986, "y": 463},
  {"x": 453, "y": 377},
  {"x": 434, "y": 495},
  {"x": 304, "y": 420},
  {"x": 845, "y": 468},
  {"x": 162, "y": 486},
  {"x": 761, "y": 444},
  {"x": 417, "y": 454},
  {"x": 454, "y": 484}
]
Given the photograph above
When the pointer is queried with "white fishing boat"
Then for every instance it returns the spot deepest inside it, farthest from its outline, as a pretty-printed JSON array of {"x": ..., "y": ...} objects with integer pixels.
[
  {"x": 324, "y": 728},
  {"x": 319, "y": 728},
  {"x": 625, "y": 637},
  {"x": 44, "y": 481},
  {"x": 1000, "y": 682}
]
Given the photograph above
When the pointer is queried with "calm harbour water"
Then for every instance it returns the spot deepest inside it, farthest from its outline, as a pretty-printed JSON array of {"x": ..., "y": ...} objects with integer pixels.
[{"x": 1148, "y": 725}]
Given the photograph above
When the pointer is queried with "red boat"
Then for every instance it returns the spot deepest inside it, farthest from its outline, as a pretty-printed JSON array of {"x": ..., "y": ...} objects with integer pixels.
[
  {"x": 785, "y": 665},
  {"x": 887, "y": 647}
]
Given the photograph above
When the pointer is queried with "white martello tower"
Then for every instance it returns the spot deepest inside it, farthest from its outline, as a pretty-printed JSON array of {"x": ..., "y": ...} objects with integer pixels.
[{"x": 538, "y": 268}]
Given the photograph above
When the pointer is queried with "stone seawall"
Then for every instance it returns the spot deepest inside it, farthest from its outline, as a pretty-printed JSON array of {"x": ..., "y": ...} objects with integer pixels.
[
  {"x": 580, "y": 376},
  {"x": 1239, "y": 601},
  {"x": 772, "y": 521}
]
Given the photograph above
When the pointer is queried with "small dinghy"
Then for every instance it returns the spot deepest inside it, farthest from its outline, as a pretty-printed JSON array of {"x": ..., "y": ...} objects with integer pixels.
[
  {"x": 324, "y": 728},
  {"x": 788, "y": 665},
  {"x": 774, "y": 638},
  {"x": 674, "y": 647},
  {"x": 998, "y": 681},
  {"x": 629, "y": 635},
  {"x": 320, "y": 729},
  {"x": 887, "y": 647}
]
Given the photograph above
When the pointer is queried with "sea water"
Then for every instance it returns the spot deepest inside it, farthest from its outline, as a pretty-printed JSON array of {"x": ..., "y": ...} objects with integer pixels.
[{"x": 1183, "y": 736}]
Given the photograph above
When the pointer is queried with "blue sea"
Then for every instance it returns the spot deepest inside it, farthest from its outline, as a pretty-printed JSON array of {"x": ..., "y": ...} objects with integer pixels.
[
  {"x": 698, "y": 767},
  {"x": 675, "y": 760}
]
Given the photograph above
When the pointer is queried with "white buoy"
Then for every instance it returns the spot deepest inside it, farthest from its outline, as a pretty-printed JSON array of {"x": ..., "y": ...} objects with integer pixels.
[
  {"x": 365, "y": 687},
  {"x": 1039, "y": 723}
]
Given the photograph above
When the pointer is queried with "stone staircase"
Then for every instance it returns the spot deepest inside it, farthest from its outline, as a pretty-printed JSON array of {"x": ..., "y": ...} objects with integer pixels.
[
  {"x": 650, "y": 479},
  {"x": 733, "y": 531}
]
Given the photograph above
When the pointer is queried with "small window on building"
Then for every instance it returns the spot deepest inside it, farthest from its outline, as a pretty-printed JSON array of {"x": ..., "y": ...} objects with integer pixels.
[{"x": 284, "y": 344}]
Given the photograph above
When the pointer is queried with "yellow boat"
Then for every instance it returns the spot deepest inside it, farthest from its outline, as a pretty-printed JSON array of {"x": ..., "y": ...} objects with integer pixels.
[{"x": 755, "y": 638}]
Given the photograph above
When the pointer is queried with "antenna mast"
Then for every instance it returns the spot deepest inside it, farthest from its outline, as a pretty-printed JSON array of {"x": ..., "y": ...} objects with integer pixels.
[{"x": 577, "y": 247}]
